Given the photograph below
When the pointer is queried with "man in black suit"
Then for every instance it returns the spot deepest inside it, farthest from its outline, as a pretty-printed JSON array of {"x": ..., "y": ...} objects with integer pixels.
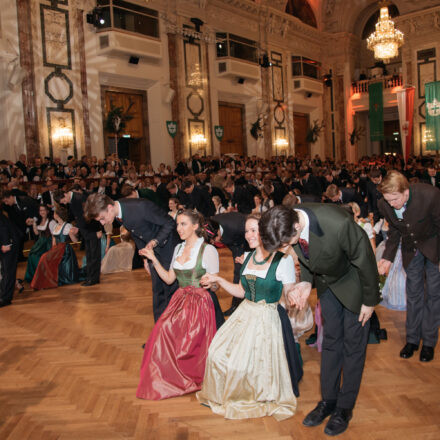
[
  {"x": 309, "y": 183},
  {"x": 373, "y": 194},
  {"x": 432, "y": 176},
  {"x": 22, "y": 164},
  {"x": 229, "y": 229},
  {"x": 91, "y": 232},
  {"x": 47, "y": 196},
  {"x": 242, "y": 198},
  {"x": 198, "y": 198},
  {"x": 10, "y": 238},
  {"x": 196, "y": 165},
  {"x": 150, "y": 227},
  {"x": 413, "y": 215},
  {"x": 341, "y": 195},
  {"x": 21, "y": 211},
  {"x": 336, "y": 255}
]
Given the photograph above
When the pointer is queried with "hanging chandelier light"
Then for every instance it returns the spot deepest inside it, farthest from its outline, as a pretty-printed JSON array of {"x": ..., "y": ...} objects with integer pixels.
[{"x": 386, "y": 39}]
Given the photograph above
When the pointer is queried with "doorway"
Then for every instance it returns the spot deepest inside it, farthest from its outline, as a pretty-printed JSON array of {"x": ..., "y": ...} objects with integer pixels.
[
  {"x": 132, "y": 141},
  {"x": 300, "y": 128},
  {"x": 231, "y": 117}
]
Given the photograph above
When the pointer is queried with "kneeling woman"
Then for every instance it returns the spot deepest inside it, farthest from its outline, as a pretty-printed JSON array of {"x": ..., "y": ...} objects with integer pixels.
[
  {"x": 175, "y": 353},
  {"x": 250, "y": 358}
]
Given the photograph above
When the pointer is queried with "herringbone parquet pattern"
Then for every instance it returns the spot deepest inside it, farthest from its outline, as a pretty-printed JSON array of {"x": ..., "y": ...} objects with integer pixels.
[{"x": 69, "y": 362}]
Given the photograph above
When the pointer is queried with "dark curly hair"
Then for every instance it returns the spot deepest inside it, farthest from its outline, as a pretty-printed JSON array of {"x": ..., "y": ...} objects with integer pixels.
[{"x": 277, "y": 227}]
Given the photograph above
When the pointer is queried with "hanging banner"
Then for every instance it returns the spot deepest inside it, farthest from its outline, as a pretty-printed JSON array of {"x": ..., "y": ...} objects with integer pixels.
[
  {"x": 432, "y": 133},
  {"x": 405, "y": 104},
  {"x": 172, "y": 128},
  {"x": 375, "y": 93},
  {"x": 219, "y": 131}
]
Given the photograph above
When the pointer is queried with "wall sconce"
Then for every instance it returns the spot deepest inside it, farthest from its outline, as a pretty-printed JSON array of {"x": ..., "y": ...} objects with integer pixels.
[
  {"x": 198, "y": 142},
  {"x": 62, "y": 135},
  {"x": 281, "y": 145}
]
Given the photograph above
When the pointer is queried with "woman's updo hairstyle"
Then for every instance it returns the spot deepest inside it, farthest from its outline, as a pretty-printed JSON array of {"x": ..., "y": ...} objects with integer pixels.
[
  {"x": 196, "y": 219},
  {"x": 211, "y": 228},
  {"x": 277, "y": 227}
]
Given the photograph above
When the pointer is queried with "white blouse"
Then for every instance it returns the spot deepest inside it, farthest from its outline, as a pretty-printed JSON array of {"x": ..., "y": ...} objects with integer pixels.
[
  {"x": 285, "y": 271},
  {"x": 367, "y": 228},
  {"x": 53, "y": 226},
  {"x": 210, "y": 260}
]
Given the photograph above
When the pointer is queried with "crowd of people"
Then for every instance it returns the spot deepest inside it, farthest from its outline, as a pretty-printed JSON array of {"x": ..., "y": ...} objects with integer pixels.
[{"x": 291, "y": 224}]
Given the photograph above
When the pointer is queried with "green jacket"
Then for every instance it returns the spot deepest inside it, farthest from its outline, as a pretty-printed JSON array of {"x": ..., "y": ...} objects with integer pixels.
[{"x": 341, "y": 257}]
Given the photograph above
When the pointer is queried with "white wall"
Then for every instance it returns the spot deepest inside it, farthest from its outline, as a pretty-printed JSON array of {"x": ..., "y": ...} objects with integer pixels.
[{"x": 11, "y": 103}]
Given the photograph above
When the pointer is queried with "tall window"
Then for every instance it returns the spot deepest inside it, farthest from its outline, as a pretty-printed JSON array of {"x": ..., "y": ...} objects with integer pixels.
[
  {"x": 302, "y": 66},
  {"x": 130, "y": 17},
  {"x": 236, "y": 47}
]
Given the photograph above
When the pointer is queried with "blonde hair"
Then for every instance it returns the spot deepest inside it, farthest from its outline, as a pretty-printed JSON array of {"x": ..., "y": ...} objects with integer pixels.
[
  {"x": 393, "y": 182},
  {"x": 355, "y": 208},
  {"x": 331, "y": 191}
]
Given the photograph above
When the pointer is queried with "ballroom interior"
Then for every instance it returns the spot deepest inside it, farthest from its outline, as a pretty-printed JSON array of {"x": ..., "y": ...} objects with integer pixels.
[{"x": 264, "y": 73}]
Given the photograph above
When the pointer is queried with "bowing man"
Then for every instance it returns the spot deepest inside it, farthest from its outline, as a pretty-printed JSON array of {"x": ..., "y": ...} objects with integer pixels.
[{"x": 150, "y": 227}]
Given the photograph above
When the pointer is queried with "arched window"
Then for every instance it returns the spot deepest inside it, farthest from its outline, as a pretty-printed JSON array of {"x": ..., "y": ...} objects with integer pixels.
[
  {"x": 370, "y": 25},
  {"x": 302, "y": 10}
]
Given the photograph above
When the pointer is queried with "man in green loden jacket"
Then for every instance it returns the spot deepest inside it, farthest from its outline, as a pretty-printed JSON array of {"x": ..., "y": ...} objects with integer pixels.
[{"x": 336, "y": 257}]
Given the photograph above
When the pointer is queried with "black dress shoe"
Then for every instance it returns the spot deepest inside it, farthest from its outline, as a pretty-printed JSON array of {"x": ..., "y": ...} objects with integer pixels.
[
  {"x": 408, "y": 350},
  {"x": 338, "y": 422},
  {"x": 426, "y": 354},
  {"x": 89, "y": 283},
  {"x": 322, "y": 410}
]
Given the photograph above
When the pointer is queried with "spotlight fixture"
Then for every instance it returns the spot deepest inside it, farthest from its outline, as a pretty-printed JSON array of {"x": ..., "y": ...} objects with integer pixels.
[
  {"x": 327, "y": 79},
  {"x": 96, "y": 17},
  {"x": 265, "y": 62}
]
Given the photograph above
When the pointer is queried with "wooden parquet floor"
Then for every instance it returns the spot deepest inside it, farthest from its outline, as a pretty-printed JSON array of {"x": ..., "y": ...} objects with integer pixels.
[{"x": 69, "y": 366}]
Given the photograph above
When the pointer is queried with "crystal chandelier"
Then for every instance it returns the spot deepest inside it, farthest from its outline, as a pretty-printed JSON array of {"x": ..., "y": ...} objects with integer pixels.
[{"x": 386, "y": 40}]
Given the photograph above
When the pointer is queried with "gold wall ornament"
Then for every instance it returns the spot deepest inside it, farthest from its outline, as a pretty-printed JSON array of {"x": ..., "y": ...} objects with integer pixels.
[{"x": 386, "y": 39}]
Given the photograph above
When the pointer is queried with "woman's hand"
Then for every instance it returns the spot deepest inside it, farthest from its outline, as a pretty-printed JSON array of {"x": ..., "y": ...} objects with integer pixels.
[
  {"x": 240, "y": 259},
  {"x": 147, "y": 252},
  {"x": 208, "y": 280}
]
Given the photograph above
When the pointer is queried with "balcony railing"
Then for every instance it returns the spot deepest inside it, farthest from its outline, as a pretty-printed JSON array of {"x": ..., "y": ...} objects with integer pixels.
[{"x": 389, "y": 82}]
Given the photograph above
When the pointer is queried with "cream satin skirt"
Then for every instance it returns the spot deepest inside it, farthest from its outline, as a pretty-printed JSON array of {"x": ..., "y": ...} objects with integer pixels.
[{"x": 246, "y": 373}]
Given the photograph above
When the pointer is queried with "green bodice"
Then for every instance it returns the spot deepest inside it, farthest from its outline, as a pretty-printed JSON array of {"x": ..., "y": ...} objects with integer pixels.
[
  {"x": 191, "y": 277},
  {"x": 256, "y": 288},
  {"x": 61, "y": 238}
]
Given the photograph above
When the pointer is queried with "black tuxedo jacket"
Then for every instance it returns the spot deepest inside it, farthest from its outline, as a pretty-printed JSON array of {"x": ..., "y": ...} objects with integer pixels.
[
  {"x": 428, "y": 180},
  {"x": 88, "y": 229},
  {"x": 9, "y": 232},
  {"x": 244, "y": 199},
  {"x": 311, "y": 186},
  {"x": 420, "y": 227},
  {"x": 45, "y": 198},
  {"x": 373, "y": 196},
  {"x": 146, "y": 221},
  {"x": 341, "y": 257},
  {"x": 200, "y": 199},
  {"x": 25, "y": 208},
  {"x": 233, "y": 225}
]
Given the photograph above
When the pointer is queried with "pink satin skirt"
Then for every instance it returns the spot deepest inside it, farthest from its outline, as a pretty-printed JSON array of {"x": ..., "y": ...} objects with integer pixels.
[{"x": 175, "y": 353}]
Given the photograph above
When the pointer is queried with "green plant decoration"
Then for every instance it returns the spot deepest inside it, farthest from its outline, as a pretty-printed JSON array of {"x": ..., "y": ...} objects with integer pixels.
[{"x": 314, "y": 131}]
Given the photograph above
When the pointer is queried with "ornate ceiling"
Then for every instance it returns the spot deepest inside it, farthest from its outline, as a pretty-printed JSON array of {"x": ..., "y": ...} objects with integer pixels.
[{"x": 336, "y": 16}]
